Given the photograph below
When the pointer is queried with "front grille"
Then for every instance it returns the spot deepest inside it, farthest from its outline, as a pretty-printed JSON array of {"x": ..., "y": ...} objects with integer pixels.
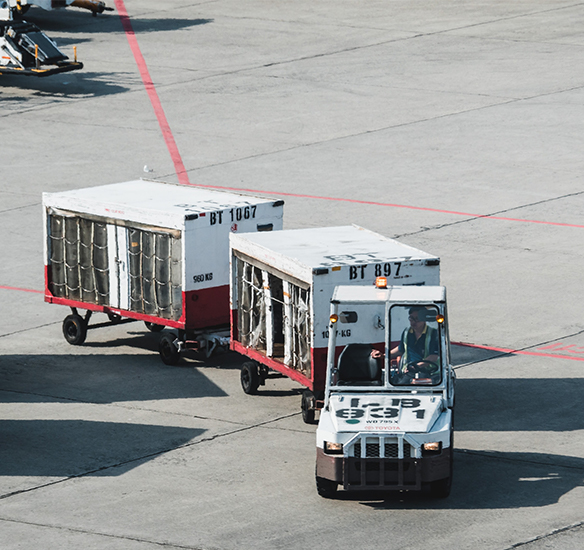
[
  {"x": 381, "y": 462},
  {"x": 372, "y": 450}
]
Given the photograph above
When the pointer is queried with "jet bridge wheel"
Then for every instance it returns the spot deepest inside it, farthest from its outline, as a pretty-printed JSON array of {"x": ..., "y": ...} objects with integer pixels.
[
  {"x": 250, "y": 377},
  {"x": 169, "y": 353},
  {"x": 74, "y": 329},
  {"x": 22, "y": 10}
]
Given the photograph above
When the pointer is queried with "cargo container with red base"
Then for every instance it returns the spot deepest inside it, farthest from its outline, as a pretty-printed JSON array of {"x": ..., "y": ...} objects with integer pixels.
[
  {"x": 281, "y": 286},
  {"x": 149, "y": 251}
]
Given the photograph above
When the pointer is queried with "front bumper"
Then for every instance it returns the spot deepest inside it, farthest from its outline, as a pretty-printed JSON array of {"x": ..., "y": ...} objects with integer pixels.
[{"x": 387, "y": 474}]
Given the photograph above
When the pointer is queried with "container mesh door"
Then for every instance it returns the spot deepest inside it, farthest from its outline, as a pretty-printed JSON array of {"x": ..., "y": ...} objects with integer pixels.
[
  {"x": 78, "y": 259},
  {"x": 155, "y": 273},
  {"x": 290, "y": 321},
  {"x": 251, "y": 309},
  {"x": 301, "y": 329}
]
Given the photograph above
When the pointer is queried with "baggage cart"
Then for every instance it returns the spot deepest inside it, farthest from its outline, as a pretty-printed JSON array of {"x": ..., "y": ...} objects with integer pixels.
[
  {"x": 149, "y": 251},
  {"x": 281, "y": 286}
]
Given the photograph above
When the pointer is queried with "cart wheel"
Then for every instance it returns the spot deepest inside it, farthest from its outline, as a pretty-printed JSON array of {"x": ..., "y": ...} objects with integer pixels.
[
  {"x": 307, "y": 405},
  {"x": 169, "y": 353},
  {"x": 74, "y": 329},
  {"x": 250, "y": 377},
  {"x": 264, "y": 372},
  {"x": 114, "y": 318},
  {"x": 153, "y": 327},
  {"x": 325, "y": 487}
]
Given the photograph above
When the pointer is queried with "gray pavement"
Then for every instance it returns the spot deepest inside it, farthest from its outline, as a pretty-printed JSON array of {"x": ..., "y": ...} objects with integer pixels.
[{"x": 456, "y": 127}]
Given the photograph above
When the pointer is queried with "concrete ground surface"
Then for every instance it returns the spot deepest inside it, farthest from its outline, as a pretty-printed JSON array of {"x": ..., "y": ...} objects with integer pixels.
[{"x": 454, "y": 126}]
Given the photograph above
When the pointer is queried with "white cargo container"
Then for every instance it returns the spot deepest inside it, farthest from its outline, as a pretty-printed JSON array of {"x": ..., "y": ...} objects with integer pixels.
[
  {"x": 147, "y": 250},
  {"x": 281, "y": 286}
]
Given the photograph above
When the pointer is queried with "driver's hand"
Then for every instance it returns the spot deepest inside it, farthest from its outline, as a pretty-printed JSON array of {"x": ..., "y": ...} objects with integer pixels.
[{"x": 416, "y": 367}]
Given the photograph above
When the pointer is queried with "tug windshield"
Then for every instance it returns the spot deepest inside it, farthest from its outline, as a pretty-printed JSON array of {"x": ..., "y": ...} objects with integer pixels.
[{"x": 415, "y": 357}]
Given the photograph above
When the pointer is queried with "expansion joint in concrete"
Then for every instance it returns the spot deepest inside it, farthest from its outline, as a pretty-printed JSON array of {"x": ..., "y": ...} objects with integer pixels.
[
  {"x": 547, "y": 535},
  {"x": 100, "y": 534}
]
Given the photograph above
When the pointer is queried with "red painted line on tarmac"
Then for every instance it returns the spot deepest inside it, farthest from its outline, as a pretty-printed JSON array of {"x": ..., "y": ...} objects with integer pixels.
[
  {"x": 3, "y": 287},
  {"x": 152, "y": 94},
  {"x": 518, "y": 352},
  {"x": 183, "y": 175},
  {"x": 387, "y": 205}
]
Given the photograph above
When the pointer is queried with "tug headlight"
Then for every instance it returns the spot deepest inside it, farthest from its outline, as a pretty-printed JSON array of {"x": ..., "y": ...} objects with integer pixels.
[
  {"x": 333, "y": 448},
  {"x": 432, "y": 448}
]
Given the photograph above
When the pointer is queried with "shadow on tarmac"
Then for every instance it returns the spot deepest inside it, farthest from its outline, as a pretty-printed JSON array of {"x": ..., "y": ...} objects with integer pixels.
[
  {"x": 64, "y": 448},
  {"x": 80, "y": 21},
  {"x": 99, "y": 379},
  {"x": 491, "y": 480},
  {"x": 519, "y": 404},
  {"x": 75, "y": 85}
]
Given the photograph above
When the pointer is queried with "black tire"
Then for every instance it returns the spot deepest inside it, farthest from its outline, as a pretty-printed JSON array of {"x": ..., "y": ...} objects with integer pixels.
[
  {"x": 153, "y": 327},
  {"x": 169, "y": 353},
  {"x": 441, "y": 487},
  {"x": 264, "y": 372},
  {"x": 114, "y": 318},
  {"x": 308, "y": 411},
  {"x": 23, "y": 9},
  {"x": 325, "y": 487},
  {"x": 74, "y": 329},
  {"x": 250, "y": 377}
]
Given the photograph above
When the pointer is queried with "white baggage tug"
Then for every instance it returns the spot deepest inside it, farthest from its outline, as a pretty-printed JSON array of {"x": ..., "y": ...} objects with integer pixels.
[
  {"x": 387, "y": 417},
  {"x": 281, "y": 286},
  {"x": 149, "y": 251}
]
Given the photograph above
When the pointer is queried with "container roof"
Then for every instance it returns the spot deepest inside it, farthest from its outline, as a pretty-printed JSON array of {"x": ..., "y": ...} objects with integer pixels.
[
  {"x": 326, "y": 246},
  {"x": 146, "y": 201}
]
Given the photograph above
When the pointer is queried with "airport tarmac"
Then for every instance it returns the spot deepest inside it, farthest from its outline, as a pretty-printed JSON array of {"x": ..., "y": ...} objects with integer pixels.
[{"x": 456, "y": 127}]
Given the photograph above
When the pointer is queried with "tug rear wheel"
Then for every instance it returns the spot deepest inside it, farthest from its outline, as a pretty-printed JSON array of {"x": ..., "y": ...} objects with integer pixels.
[
  {"x": 74, "y": 329},
  {"x": 169, "y": 353},
  {"x": 250, "y": 377},
  {"x": 308, "y": 408}
]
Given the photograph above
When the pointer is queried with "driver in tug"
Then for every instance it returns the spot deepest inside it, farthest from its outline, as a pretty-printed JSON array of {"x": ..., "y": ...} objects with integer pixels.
[{"x": 418, "y": 347}]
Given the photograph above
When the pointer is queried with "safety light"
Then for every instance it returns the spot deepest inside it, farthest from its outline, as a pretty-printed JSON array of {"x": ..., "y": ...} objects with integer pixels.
[
  {"x": 381, "y": 282},
  {"x": 440, "y": 318},
  {"x": 333, "y": 448},
  {"x": 334, "y": 318}
]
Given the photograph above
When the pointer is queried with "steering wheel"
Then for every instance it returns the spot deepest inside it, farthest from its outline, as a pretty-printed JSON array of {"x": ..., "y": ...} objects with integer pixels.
[{"x": 421, "y": 369}]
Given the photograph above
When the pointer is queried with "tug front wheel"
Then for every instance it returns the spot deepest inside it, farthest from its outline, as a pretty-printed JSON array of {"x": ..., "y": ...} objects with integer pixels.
[
  {"x": 250, "y": 377},
  {"x": 74, "y": 329},
  {"x": 169, "y": 353},
  {"x": 325, "y": 487},
  {"x": 308, "y": 407}
]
